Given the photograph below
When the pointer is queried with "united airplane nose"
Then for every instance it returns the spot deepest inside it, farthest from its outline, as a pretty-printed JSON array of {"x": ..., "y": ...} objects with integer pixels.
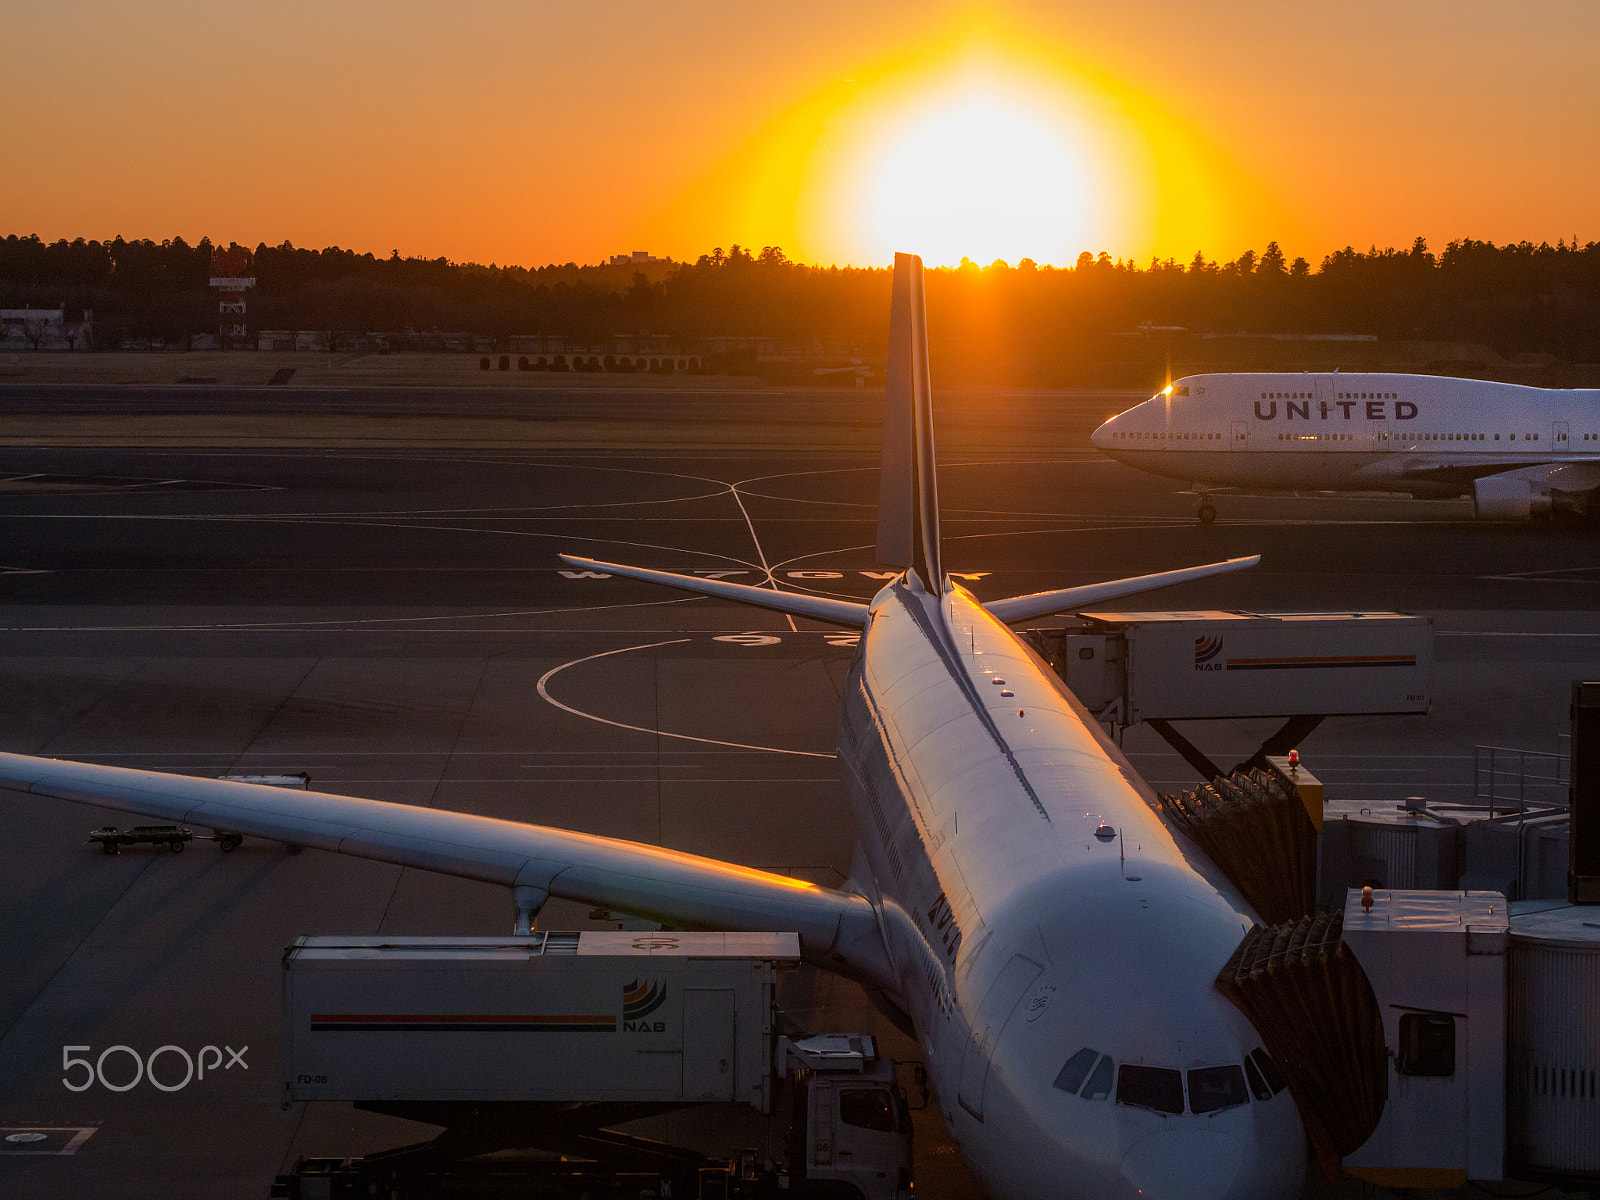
[{"x": 1191, "y": 1164}]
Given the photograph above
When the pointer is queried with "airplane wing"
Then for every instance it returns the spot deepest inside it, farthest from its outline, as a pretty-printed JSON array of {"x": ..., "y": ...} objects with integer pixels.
[
  {"x": 1571, "y": 473},
  {"x": 838, "y": 930}
]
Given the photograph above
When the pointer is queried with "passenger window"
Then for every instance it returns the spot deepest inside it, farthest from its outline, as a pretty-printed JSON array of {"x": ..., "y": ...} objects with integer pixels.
[
  {"x": 1159, "y": 1089},
  {"x": 1099, "y": 1085},
  {"x": 1077, "y": 1070},
  {"x": 867, "y": 1108},
  {"x": 1212, "y": 1089},
  {"x": 1427, "y": 1044},
  {"x": 1258, "y": 1086},
  {"x": 1269, "y": 1070}
]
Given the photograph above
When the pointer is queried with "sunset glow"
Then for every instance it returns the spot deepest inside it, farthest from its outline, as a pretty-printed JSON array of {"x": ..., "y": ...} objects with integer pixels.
[
  {"x": 1010, "y": 128},
  {"x": 970, "y": 145}
]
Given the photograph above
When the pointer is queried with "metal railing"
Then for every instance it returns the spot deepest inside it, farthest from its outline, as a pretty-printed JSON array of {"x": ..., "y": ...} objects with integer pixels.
[{"x": 1516, "y": 780}]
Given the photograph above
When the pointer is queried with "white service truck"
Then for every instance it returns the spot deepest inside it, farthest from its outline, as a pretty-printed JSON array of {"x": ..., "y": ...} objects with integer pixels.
[{"x": 542, "y": 1042}]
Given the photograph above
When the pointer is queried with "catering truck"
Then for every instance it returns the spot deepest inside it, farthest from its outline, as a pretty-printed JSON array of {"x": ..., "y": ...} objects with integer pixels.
[{"x": 540, "y": 1044}]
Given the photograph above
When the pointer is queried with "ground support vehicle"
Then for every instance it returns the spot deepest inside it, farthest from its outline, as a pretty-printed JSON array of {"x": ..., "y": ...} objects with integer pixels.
[
  {"x": 111, "y": 839},
  {"x": 531, "y": 1049}
]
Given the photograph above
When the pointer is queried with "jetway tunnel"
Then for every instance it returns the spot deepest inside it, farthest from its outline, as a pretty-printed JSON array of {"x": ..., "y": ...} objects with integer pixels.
[{"x": 1432, "y": 1035}]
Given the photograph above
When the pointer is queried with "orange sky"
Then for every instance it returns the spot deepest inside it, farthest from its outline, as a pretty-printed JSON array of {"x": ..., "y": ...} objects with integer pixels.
[{"x": 534, "y": 133}]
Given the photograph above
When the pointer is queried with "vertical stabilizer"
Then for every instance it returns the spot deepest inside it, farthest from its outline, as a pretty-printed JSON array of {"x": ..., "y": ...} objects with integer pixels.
[{"x": 908, "y": 497}]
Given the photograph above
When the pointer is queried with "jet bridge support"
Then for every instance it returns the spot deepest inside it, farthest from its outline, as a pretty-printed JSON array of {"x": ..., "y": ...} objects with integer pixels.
[{"x": 1289, "y": 735}]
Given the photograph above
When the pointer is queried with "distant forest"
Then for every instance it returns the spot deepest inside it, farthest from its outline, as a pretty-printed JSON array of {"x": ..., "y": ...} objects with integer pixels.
[{"x": 1034, "y": 323}]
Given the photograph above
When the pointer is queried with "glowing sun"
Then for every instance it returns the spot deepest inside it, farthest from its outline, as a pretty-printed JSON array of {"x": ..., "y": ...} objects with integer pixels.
[{"x": 980, "y": 174}]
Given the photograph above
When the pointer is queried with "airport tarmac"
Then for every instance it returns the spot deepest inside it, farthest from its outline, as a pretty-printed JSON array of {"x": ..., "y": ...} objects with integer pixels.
[{"x": 392, "y": 620}]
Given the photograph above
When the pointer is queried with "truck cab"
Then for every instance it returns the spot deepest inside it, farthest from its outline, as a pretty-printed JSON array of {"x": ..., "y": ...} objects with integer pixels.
[{"x": 851, "y": 1134}]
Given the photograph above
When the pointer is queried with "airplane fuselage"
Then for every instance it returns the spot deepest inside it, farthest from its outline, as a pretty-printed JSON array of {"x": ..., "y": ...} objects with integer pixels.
[
  {"x": 1422, "y": 434},
  {"x": 1035, "y": 904}
]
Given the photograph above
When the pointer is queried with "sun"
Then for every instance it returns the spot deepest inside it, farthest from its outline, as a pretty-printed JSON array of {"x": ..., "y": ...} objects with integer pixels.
[
  {"x": 980, "y": 174},
  {"x": 977, "y": 141}
]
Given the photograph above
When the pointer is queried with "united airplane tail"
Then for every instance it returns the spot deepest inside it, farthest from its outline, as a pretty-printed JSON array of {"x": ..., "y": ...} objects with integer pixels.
[{"x": 908, "y": 499}]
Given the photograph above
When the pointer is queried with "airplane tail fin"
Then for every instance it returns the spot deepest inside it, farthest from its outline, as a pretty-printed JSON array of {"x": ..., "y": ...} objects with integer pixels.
[
  {"x": 908, "y": 496},
  {"x": 908, "y": 499}
]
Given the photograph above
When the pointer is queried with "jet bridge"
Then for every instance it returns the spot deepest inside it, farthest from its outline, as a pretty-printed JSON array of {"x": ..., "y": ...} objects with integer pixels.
[
  {"x": 1432, "y": 1035},
  {"x": 1159, "y": 667}
]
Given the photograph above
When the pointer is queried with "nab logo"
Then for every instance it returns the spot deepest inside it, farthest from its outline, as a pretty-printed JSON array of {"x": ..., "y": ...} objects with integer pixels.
[
  {"x": 1206, "y": 650},
  {"x": 639, "y": 999}
]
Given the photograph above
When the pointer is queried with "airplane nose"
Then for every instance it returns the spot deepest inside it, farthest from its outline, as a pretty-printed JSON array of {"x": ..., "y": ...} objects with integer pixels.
[
  {"x": 1101, "y": 437},
  {"x": 1188, "y": 1164}
]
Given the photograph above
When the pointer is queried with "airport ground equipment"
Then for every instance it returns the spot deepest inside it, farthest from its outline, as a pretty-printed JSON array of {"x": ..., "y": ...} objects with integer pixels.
[
  {"x": 597, "y": 1016},
  {"x": 111, "y": 839},
  {"x": 1437, "y": 964},
  {"x": 1583, "y": 884},
  {"x": 1160, "y": 667},
  {"x": 1434, "y": 1036},
  {"x": 1512, "y": 837},
  {"x": 300, "y": 781},
  {"x": 541, "y": 1042},
  {"x": 1389, "y": 845},
  {"x": 1553, "y": 1042}
]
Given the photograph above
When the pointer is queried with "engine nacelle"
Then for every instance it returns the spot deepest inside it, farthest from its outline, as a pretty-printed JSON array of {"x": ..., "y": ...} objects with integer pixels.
[{"x": 1510, "y": 498}]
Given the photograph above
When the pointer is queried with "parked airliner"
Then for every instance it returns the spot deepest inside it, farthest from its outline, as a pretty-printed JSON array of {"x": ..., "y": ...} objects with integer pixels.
[
  {"x": 1017, "y": 893},
  {"x": 1518, "y": 451}
]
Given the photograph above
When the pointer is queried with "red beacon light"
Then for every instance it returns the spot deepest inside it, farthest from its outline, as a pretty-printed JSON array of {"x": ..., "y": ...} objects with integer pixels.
[
  {"x": 1366, "y": 898},
  {"x": 1294, "y": 759}
]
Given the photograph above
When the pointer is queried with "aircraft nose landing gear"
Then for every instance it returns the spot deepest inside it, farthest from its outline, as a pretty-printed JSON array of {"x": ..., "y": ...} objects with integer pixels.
[{"x": 1206, "y": 513}]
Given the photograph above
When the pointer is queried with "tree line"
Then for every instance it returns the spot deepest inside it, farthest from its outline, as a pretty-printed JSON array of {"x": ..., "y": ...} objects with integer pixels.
[{"x": 1517, "y": 299}]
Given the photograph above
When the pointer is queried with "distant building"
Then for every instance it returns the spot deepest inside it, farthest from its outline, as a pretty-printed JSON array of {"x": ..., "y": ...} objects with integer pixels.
[
  {"x": 45, "y": 329},
  {"x": 639, "y": 258}
]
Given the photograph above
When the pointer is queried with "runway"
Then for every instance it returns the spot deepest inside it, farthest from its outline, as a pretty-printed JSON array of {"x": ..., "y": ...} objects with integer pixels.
[{"x": 393, "y": 620}]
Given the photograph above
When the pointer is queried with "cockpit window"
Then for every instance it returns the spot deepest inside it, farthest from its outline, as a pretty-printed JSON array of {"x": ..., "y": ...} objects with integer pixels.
[
  {"x": 1157, "y": 1088},
  {"x": 1258, "y": 1086},
  {"x": 1215, "y": 1088},
  {"x": 1269, "y": 1070},
  {"x": 1099, "y": 1085},
  {"x": 1077, "y": 1070}
]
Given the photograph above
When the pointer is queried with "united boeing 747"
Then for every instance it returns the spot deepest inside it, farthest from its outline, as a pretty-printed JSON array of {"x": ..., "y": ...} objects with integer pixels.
[{"x": 1518, "y": 452}]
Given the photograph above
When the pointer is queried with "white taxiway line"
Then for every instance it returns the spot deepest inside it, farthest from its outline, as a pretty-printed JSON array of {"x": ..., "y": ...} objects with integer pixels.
[{"x": 578, "y": 712}]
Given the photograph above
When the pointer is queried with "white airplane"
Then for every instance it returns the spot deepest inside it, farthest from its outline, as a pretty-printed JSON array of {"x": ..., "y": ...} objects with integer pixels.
[
  {"x": 1017, "y": 893},
  {"x": 1518, "y": 451}
]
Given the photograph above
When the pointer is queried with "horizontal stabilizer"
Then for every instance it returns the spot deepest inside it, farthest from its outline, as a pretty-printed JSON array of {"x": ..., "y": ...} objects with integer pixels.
[
  {"x": 1042, "y": 604},
  {"x": 820, "y": 608}
]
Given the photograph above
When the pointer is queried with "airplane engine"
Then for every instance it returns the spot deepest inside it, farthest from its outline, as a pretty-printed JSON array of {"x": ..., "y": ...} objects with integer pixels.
[{"x": 1510, "y": 498}]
